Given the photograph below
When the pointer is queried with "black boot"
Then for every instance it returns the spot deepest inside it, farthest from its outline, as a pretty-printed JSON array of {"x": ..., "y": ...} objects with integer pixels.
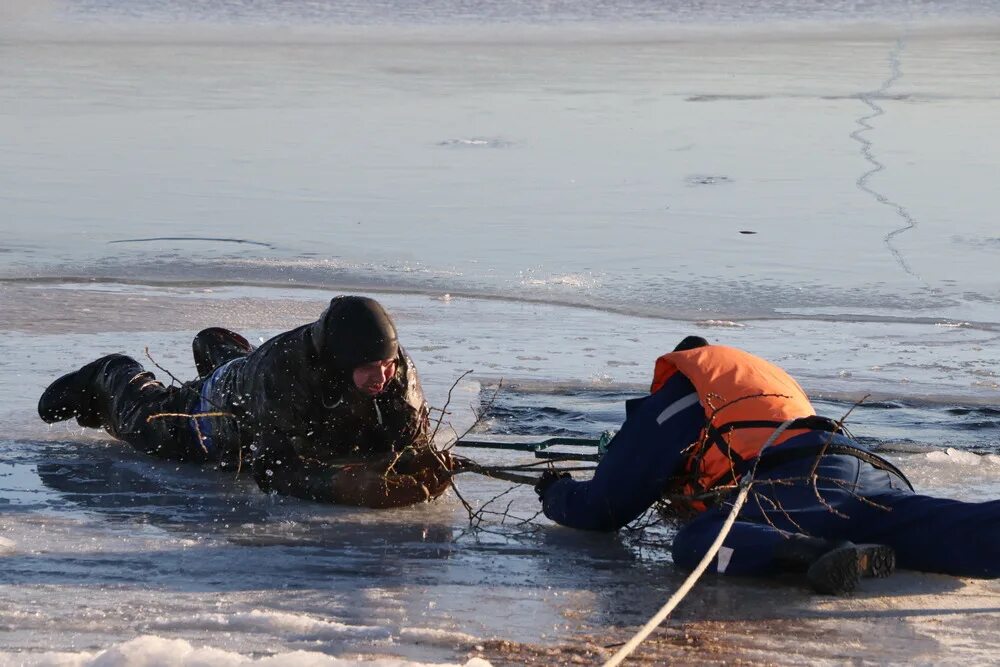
[
  {"x": 834, "y": 568},
  {"x": 215, "y": 346},
  {"x": 81, "y": 394}
]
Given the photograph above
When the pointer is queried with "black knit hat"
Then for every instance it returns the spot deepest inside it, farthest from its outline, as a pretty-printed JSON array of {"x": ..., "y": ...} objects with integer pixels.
[
  {"x": 354, "y": 330},
  {"x": 690, "y": 343}
]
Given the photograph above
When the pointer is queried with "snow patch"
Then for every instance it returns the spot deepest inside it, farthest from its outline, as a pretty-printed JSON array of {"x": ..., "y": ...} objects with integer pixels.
[
  {"x": 567, "y": 280},
  {"x": 299, "y": 625},
  {"x": 962, "y": 457},
  {"x": 719, "y": 324},
  {"x": 153, "y": 651},
  {"x": 436, "y": 637},
  {"x": 477, "y": 142}
]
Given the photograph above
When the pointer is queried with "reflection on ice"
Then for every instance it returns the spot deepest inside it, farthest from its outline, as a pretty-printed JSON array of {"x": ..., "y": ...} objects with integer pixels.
[{"x": 174, "y": 541}]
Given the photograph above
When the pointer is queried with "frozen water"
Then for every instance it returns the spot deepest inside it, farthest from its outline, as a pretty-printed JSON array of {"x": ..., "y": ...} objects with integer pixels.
[{"x": 550, "y": 199}]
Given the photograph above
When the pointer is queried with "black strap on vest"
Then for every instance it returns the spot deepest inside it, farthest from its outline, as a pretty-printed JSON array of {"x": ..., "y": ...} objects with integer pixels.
[
  {"x": 777, "y": 456},
  {"x": 716, "y": 434},
  {"x": 812, "y": 423}
]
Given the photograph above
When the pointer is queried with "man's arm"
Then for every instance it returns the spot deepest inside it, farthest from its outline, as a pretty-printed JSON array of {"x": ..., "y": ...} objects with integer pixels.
[
  {"x": 405, "y": 418},
  {"x": 377, "y": 483},
  {"x": 636, "y": 469}
]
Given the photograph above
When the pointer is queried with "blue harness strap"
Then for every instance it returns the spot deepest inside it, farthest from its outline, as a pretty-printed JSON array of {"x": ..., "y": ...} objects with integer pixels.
[{"x": 204, "y": 405}]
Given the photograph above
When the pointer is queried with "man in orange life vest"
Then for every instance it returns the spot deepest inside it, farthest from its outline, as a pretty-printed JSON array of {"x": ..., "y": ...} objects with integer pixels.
[{"x": 818, "y": 496}]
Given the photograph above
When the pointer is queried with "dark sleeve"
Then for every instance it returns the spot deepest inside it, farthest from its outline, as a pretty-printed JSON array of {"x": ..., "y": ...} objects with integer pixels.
[
  {"x": 641, "y": 458},
  {"x": 277, "y": 466}
]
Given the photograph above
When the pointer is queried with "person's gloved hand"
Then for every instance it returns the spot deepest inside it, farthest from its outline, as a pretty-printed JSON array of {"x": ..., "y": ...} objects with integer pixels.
[{"x": 548, "y": 478}]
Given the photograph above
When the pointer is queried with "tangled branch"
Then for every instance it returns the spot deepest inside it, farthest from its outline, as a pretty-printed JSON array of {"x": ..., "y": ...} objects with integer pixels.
[{"x": 484, "y": 518}]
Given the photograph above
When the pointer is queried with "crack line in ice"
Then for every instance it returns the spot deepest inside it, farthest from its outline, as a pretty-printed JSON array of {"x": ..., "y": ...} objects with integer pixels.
[{"x": 895, "y": 74}]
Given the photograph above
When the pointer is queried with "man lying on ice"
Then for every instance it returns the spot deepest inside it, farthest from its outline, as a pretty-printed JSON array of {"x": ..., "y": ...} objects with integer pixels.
[{"x": 331, "y": 411}]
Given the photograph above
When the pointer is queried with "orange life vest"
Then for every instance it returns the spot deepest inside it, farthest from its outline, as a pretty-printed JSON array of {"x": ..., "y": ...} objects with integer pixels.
[{"x": 745, "y": 398}]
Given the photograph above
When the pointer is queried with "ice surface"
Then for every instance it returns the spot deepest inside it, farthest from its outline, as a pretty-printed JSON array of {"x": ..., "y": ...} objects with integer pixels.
[
  {"x": 548, "y": 205},
  {"x": 107, "y": 545}
]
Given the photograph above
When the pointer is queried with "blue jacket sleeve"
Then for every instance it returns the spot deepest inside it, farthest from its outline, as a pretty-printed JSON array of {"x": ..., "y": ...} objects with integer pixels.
[{"x": 641, "y": 458}]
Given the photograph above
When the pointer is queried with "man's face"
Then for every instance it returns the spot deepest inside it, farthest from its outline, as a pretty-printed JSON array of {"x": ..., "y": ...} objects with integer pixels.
[{"x": 371, "y": 378}]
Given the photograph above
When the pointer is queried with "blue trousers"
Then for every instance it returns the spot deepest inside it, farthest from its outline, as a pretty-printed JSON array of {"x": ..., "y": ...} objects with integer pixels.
[{"x": 852, "y": 501}]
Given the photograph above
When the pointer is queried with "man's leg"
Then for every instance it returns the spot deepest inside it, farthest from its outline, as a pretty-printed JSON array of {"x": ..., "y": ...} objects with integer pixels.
[
  {"x": 215, "y": 346},
  {"x": 751, "y": 549},
  {"x": 934, "y": 534},
  {"x": 117, "y": 394},
  {"x": 747, "y": 550},
  {"x": 869, "y": 505}
]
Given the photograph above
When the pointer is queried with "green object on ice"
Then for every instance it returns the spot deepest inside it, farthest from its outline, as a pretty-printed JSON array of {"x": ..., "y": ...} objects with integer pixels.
[
  {"x": 539, "y": 447},
  {"x": 602, "y": 444}
]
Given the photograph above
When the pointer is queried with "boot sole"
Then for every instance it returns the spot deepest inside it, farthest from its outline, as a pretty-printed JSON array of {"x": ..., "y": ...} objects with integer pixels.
[
  {"x": 876, "y": 560},
  {"x": 59, "y": 401},
  {"x": 840, "y": 571},
  {"x": 71, "y": 395}
]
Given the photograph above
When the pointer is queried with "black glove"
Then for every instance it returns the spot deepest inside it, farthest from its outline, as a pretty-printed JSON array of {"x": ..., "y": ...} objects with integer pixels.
[{"x": 548, "y": 478}]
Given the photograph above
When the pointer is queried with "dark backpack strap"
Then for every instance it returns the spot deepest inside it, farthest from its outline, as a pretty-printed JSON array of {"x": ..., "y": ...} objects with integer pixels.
[
  {"x": 812, "y": 423},
  {"x": 778, "y": 457},
  {"x": 716, "y": 436}
]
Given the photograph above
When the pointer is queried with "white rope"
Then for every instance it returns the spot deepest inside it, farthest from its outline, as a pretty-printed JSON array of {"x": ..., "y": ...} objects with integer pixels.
[{"x": 692, "y": 579}]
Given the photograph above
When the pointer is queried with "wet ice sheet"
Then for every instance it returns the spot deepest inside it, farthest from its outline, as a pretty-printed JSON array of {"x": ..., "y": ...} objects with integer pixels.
[
  {"x": 614, "y": 168},
  {"x": 103, "y": 541},
  {"x": 102, "y": 544},
  {"x": 625, "y": 184},
  {"x": 194, "y": 556},
  {"x": 520, "y": 341}
]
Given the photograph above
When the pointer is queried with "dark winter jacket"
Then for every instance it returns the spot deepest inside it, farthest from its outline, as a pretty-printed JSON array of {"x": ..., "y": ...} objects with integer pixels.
[{"x": 296, "y": 408}]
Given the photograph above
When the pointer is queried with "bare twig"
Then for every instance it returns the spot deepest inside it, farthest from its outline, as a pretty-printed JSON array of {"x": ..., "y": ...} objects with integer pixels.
[
  {"x": 480, "y": 413},
  {"x": 840, "y": 425},
  {"x": 478, "y": 516},
  {"x": 194, "y": 420},
  {"x": 153, "y": 361},
  {"x": 447, "y": 402}
]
